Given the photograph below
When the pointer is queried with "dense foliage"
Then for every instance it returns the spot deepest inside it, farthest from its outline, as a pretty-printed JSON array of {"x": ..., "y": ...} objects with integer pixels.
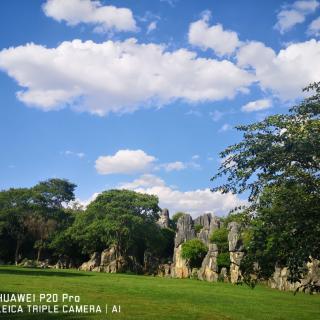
[
  {"x": 220, "y": 238},
  {"x": 278, "y": 163},
  {"x": 194, "y": 251},
  {"x": 40, "y": 222}
]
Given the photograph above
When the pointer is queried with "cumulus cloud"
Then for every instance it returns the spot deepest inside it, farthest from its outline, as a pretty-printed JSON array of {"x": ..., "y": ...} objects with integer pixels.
[
  {"x": 222, "y": 42},
  {"x": 314, "y": 27},
  {"x": 284, "y": 73},
  {"x": 257, "y": 105},
  {"x": 104, "y": 18},
  {"x": 293, "y": 14},
  {"x": 117, "y": 76},
  {"x": 195, "y": 202},
  {"x": 124, "y": 161}
]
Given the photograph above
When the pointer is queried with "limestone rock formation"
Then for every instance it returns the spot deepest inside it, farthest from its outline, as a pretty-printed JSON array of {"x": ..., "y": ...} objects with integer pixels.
[
  {"x": 235, "y": 244},
  {"x": 223, "y": 276},
  {"x": 185, "y": 232},
  {"x": 209, "y": 223},
  {"x": 209, "y": 268},
  {"x": 107, "y": 256},
  {"x": 235, "y": 273},
  {"x": 279, "y": 279},
  {"x": 93, "y": 263},
  {"x": 235, "y": 250},
  {"x": 180, "y": 267},
  {"x": 163, "y": 221},
  {"x": 164, "y": 270}
]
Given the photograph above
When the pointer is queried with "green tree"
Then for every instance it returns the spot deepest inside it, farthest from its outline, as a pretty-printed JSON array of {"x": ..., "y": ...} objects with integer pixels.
[
  {"x": 220, "y": 238},
  {"x": 15, "y": 207},
  {"x": 120, "y": 218},
  {"x": 278, "y": 163},
  {"x": 194, "y": 252}
]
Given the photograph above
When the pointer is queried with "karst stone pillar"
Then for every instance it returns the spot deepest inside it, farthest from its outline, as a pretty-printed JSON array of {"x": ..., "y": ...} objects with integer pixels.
[
  {"x": 185, "y": 232},
  {"x": 235, "y": 250},
  {"x": 209, "y": 267}
]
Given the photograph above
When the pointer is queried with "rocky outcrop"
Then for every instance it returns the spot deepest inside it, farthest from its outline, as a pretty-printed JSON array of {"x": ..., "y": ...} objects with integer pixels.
[
  {"x": 164, "y": 221},
  {"x": 209, "y": 223},
  {"x": 223, "y": 276},
  {"x": 107, "y": 256},
  {"x": 235, "y": 250},
  {"x": 180, "y": 267},
  {"x": 110, "y": 261},
  {"x": 209, "y": 268},
  {"x": 164, "y": 270},
  {"x": 93, "y": 263},
  {"x": 185, "y": 232},
  {"x": 279, "y": 279}
]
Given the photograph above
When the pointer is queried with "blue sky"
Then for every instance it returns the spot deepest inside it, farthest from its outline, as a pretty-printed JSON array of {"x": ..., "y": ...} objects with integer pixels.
[{"x": 145, "y": 94}]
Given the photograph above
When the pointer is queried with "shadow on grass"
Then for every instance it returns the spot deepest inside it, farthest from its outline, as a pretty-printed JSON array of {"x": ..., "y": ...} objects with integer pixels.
[{"x": 46, "y": 273}]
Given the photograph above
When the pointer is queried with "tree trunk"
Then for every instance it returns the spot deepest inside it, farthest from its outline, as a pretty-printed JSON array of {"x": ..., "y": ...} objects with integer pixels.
[
  {"x": 39, "y": 254},
  {"x": 16, "y": 255}
]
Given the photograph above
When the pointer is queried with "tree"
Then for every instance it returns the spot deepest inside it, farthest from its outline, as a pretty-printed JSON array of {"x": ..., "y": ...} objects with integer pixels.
[
  {"x": 15, "y": 206},
  {"x": 120, "y": 218},
  {"x": 278, "y": 162},
  {"x": 54, "y": 193},
  {"x": 281, "y": 148},
  {"x": 194, "y": 252},
  {"x": 220, "y": 238}
]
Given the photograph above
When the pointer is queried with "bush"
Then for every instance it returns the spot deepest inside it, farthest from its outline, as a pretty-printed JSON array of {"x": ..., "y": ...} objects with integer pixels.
[
  {"x": 194, "y": 251},
  {"x": 198, "y": 228},
  {"x": 220, "y": 238}
]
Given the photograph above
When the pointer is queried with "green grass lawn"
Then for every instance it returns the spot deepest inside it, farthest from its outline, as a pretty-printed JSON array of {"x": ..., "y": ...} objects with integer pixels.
[{"x": 148, "y": 298}]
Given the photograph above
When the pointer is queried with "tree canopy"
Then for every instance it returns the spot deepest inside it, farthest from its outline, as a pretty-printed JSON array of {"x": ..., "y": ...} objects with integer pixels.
[{"x": 278, "y": 162}]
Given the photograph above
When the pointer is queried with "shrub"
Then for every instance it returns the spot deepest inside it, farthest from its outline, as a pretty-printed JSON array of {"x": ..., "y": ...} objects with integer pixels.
[{"x": 194, "y": 251}]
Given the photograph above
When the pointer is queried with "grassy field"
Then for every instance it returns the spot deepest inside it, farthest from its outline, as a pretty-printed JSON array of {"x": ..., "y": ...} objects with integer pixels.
[{"x": 145, "y": 298}]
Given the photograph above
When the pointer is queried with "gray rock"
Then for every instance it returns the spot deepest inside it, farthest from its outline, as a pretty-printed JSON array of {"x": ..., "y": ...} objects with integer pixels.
[
  {"x": 107, "y": 256},
  {"x": 209, "y": 267},
  {"x": 235, "y": 243},
  {"x": 209, "y": 223},
  {"x": 92, "y": 264},
  {"x": 223, "y": 276},
  {"x": 279, "y": 279},
  {"x": 185, "y": 230},
  {"x": 164, "y": 270},
  {"x": 163, "y": 221}
]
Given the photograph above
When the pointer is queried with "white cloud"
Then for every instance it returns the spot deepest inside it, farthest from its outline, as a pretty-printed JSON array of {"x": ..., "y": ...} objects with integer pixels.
[
  {"x": 195, "y": 202},
  {"x": 105, "y": 18},
  {"x": 257, "y": 105},
  {"x": 174, "y": 166},
  {"x": 118, "y": 76},
  {"x": 152, "y": 26},
  {"x": 124, "y": 161},
  {"x": 314, "y": 27},
  {"x": 293, "y": 14},
  {"x": 222, "y": 42},
  {"x": 225, "y": 127},
  {"x": 285, "y": 73},
  {"x": 216, "y": 115},
  {"x": 77, "y": 154}
]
